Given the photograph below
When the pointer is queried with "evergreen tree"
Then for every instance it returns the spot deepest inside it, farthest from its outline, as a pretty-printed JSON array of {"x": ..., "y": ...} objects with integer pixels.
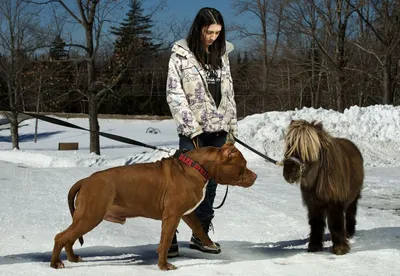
[
  {"x": 57, "y": 49},
  {"x": 134, "y": 35}
]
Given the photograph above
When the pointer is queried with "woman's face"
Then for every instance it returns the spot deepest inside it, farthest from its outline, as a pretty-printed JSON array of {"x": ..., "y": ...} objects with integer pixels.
[{"x": 210, "y": 34}]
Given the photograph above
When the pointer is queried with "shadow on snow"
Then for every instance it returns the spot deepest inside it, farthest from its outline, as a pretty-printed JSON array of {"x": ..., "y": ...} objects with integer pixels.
[{"x": 233, "y": 251}]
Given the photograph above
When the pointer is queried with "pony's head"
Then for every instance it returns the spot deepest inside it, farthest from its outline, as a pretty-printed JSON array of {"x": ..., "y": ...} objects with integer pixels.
[{"x": 303, "y": 148}]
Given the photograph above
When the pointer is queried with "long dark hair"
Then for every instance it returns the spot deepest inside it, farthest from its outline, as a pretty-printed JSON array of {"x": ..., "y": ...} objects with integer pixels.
[{"x": 207, "y": 17}]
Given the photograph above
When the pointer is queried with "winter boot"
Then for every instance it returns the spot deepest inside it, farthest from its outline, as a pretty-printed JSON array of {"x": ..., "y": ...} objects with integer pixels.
[
  {"x": 195, "y": 242},
  {"x": 174, "y": 249}
]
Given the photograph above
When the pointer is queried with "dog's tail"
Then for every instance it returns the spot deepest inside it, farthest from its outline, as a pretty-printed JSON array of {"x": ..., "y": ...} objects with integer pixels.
[{"x": 71, "y": 200}]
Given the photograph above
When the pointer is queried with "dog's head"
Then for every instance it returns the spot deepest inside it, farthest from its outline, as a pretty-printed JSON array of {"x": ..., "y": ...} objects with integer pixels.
[{"x": 227, "y": 165}]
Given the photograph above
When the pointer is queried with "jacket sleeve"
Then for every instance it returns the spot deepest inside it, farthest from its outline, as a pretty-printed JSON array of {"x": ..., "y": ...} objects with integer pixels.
[
  {"x": 233, "y": 124},
  {"x": 177, "y": 101}
]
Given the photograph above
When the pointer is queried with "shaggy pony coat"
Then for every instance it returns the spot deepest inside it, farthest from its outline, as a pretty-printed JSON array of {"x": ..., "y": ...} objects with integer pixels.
[{"x": 330, "y": 171}]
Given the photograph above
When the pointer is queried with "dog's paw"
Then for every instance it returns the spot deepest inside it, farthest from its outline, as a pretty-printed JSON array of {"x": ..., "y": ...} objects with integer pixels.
[
  {"x": 167, "y": 266},
  {"x": 75, "y": 259},
  {"x": 57, "y": 265}
]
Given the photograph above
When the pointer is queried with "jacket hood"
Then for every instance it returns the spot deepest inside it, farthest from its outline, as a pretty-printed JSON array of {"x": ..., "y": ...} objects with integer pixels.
[{"x": 181, "y": 47}]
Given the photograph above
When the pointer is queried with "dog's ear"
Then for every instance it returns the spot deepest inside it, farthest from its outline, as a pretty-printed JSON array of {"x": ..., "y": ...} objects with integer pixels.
[
  {"x": 229, "y": 150},
  {"x": 228, "y": 144}
]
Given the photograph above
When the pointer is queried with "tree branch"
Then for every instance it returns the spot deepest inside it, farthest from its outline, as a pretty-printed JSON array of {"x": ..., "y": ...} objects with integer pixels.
[
  {"x": 82, "y": 12},
  {"x": 369, "y": 52},
  {"x": 367, "y": 22}
]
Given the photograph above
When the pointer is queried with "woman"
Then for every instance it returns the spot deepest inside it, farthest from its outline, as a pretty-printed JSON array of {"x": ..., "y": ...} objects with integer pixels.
[{"x": 201, "y": 99}]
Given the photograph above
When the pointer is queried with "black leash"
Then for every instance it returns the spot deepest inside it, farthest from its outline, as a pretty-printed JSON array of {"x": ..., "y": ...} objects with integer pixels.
[
  {"x": 104, "y": 134},
  {"x": 131, "y": 141},
  {"x": 258, "y": 153},
  {"x": 121, "y": 138},
  {"x": 223, "y": 200}
]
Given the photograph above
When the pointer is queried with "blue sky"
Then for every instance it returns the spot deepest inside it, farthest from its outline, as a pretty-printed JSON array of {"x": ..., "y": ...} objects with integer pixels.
[
  {"x": 189, "y": 8},
  {"x": 179, "y": 10}
]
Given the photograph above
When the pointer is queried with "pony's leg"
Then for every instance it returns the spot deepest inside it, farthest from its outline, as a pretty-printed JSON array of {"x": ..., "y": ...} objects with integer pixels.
[
  {"x": 316, "y": 219},
  {"x": 351, "y": 213},
  {"x": 336, "y": 225}
]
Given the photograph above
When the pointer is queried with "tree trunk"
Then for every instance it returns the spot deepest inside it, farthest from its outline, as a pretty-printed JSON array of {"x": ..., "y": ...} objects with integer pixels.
[
  {"x": 312, "y": 78},
  {"x": 91, "y": 93},
  {"x": 151, "y": 93},
  {"x": 387, "y": 81},
  {"x": 340, "y": 60},
  {"x": 330, "y": 90},
  {"x": 289, "y": 89},
  {"x": 38, "y": 106},
  {"x": 265, "y": 66},
  {"x": 319, "y": 84},
  {"x": 13, "y": 118},
  {"x": 301, "y": 96},
  {"x": 339, "y": 91},
  {"x": 94, "y": 125}
]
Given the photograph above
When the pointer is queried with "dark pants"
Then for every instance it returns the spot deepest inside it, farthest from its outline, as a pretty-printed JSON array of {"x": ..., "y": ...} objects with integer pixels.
[{"x": 205, "y": 211}]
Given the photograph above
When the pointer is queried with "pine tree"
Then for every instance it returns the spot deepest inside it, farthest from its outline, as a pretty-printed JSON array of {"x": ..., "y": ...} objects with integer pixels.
[
  {"x": 134, "y": 35},
  {"x": 57, "y": 49}
]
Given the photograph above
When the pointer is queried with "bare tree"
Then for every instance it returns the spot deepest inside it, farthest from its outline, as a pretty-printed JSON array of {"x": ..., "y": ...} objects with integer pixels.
[
  {"x": 383, "y": 18},
  {"x": 259, "y": 9},
  {"x": 265, "y": 40},
  {"x": 91, "y": 16},
  {"x": 327, "y": 23},
  {"x": 20, "y": 36},
  {"x": 171, "y": 30}
]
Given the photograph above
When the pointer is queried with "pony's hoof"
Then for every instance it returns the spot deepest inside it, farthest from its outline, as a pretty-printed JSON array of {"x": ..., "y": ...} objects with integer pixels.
[
  {"x": 57, "y": 265},
  {"x": 315, "y": 248},
  {"x": 167, "y": 266},
  {"x": 350, "y": 234},
  {"x": 341, "y": 249}
]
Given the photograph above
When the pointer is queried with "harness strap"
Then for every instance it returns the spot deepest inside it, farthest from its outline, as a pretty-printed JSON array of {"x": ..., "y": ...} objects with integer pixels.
[{"x": 295, "y": 160}]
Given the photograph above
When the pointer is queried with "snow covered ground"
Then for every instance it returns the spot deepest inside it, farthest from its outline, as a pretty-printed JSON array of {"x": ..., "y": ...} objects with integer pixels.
[{"x": 263, "y": 230}]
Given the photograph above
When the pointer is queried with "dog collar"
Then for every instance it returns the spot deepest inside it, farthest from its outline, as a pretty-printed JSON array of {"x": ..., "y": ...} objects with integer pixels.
[{"x": 190, "y": 162}]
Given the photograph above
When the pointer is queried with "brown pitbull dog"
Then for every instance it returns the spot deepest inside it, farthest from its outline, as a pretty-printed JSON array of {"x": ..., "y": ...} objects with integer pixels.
[{"x": 166, "y": 190}]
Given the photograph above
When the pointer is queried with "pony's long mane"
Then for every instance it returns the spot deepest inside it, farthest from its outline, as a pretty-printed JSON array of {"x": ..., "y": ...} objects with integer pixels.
[{"x": 307, "y": 140}]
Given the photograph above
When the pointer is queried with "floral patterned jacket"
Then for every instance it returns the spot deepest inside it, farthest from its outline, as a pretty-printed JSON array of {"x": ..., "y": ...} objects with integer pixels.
[{"x": 191, "y": 103}]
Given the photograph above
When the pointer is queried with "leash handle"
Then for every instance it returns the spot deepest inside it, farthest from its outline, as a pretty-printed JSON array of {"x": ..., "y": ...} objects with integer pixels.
[
  {"x": 169, "y": 151},
  {"x": 195, "y": 142}
]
